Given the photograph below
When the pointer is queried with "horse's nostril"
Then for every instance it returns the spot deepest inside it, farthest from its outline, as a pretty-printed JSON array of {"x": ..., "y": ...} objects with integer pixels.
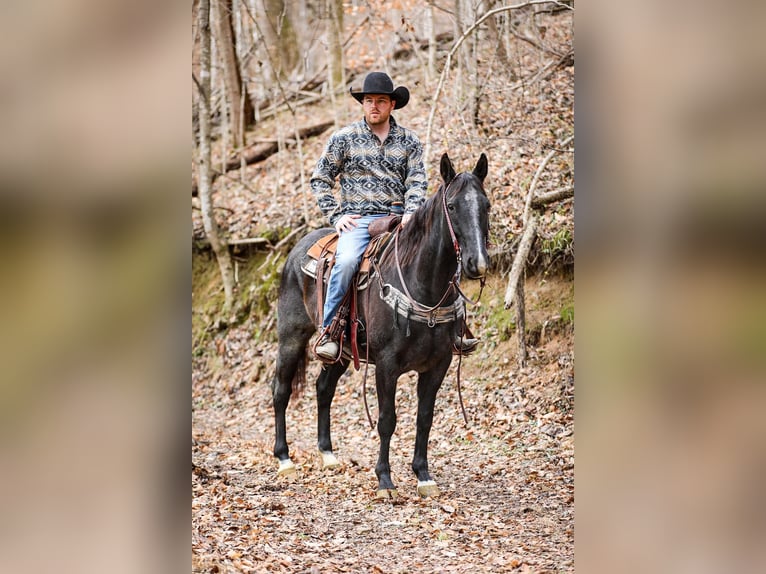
[{"x": 477, "y": 265}]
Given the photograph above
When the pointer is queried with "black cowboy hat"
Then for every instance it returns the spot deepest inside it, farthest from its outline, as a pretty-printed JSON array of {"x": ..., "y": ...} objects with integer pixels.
[{"x": 380, "y": 83}]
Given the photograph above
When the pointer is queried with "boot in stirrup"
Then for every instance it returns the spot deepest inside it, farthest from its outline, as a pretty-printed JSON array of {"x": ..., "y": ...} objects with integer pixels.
[{"x": 327, "y": 349}]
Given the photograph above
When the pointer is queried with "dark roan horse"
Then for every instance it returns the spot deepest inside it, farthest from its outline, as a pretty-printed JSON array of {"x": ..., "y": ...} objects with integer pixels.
[{"x": 412, "y": 316}]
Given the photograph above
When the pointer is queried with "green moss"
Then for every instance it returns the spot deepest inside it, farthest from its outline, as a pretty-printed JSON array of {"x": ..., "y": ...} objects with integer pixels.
[
  {"x": 207, "y": 298},
  {"x": 560, "y": 244},
  {"x": 499, "y": 322},
  {"x": 255, "y": 295},
  {"x": 567, "y": 313}
]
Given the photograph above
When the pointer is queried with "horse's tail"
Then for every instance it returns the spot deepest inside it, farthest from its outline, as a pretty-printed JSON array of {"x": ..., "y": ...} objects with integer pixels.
[{"x": 299, "y": 378}]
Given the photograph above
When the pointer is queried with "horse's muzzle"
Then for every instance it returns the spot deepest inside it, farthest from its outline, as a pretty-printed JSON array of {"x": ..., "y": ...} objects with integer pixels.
[{"x": 475, "y": 267}]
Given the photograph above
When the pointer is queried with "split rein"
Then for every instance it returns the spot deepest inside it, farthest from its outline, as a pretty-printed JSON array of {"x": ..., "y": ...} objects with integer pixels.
[{"x": 424, "y": 313}]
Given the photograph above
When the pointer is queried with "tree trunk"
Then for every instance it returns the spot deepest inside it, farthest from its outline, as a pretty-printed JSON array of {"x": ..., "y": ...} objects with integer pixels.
[
  {"x": 467, "y": 57},
  {"x": 497, "y": 39},
  {"x": 335, "y": 72},
  {"x": 521, "y": 322},
  {"x": 217, "y": 243},
  {"x": 335, "y": 43},
  {"x": 520, "y": 261},
  {"x": 241, "y": 112},
  {"x": 431, "y": 33},
  {"x": 265, "y": 150},
  {"x": 281, "y": 39}
]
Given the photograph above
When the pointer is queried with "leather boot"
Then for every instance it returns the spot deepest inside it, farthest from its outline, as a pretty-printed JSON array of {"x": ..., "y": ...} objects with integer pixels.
[
  {"x": 466, "y": 344},
  {"x": 327, "y": 349}
]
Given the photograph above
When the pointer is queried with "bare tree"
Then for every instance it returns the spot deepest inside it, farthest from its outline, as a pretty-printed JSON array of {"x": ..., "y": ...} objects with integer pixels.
[
  {"x": 431, "y": 36},
  {"x": 497, "y": 37},
  {"x": 240, "y": 107},
  {"x": 466, "y": 15},
  {"x": 456, "y": 46},
  {"x": 281, "y": 39},
  {"x": 335, "y": 43},
  {"x": 217, "y": 242},
  {"x": 335, "y": 69},
  {"x": 515, "y": 290}
]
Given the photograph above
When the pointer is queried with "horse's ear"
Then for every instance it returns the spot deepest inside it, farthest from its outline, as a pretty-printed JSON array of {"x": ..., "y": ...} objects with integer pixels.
[
  {"x": 448, "y": 172},
  {"x": 480, "y": 170}
]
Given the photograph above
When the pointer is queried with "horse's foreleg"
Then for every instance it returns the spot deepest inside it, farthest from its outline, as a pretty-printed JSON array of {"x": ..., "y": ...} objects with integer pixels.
[
  {"x": 326, "y": 385},
  {"x": 428, "y": 385},
  {"x": 386, "y": 389}
]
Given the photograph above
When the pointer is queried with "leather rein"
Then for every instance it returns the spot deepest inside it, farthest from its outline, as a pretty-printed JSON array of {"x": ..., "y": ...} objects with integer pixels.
[{"x": 424, "y": 313}]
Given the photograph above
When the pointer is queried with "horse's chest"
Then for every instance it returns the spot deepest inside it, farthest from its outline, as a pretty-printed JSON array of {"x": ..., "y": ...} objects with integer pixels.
[{"x": 424, "y": 348}]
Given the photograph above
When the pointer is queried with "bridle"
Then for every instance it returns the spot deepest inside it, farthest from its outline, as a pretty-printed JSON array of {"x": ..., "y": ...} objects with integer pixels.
[{"x": 454, "y": 283}]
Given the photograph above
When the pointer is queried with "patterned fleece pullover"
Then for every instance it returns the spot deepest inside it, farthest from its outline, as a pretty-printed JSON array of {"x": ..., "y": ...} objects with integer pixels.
[{"x": 373, "y": 175}]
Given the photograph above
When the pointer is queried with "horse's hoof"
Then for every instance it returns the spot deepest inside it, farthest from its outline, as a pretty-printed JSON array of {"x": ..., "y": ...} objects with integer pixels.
[
  {"x": 428, "y": 488},
  {"x": 286, "y": 468},
  {"x": 387, "y": 494},
  {"x": 328, "y": 460}
]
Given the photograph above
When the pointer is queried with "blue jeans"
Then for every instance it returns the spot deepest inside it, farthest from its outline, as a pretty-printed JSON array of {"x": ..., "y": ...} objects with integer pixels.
[{"x": 348, "y": 256}]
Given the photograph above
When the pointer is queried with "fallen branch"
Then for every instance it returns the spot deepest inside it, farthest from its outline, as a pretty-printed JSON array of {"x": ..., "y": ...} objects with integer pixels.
[
  {"x": 538, "y": 173},
  {"x": 265, "y": 151},
  {"x": 203, "y": 243},
  {"x": 288, "y": 237},
  {"x": 249, "y": 241},
  {"x": 552, "y": 196},
  {"x": 533, "y": 42}
]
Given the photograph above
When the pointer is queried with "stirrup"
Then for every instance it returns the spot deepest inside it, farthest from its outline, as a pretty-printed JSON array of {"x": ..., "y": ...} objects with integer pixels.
[{"x": 465, "y": 346}]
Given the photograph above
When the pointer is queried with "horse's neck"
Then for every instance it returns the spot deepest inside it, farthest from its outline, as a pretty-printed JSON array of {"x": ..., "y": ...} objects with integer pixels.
[{"x": 434, "y": 266}]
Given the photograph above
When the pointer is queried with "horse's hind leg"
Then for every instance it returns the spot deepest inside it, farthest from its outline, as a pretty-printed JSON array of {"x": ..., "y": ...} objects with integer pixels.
[
  {"x": 326, "y": 385},
  {"x": 428, "y": 385},
  {"x": 290, "y": 358}
]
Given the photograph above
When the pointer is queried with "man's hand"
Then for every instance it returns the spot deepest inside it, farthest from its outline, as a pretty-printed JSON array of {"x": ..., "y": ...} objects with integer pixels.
[
  {"x": 346, "y": 223},
  {"x": 405, "y": 218}
]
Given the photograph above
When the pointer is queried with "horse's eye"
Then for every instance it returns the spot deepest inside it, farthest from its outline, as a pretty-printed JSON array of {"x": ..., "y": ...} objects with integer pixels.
[{"x": 451, "y": 207}]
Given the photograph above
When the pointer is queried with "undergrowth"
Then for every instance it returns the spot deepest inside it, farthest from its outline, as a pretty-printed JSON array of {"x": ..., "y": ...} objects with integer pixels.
[{"x": 255, "y": 295}]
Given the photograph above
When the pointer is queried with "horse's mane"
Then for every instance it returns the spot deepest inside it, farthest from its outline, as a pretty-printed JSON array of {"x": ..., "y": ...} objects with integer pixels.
[{"x": 419, "y": 227}]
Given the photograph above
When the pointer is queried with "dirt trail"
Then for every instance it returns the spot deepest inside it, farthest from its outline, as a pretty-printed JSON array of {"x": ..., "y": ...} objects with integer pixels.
[{"x": 507, "y": 479}]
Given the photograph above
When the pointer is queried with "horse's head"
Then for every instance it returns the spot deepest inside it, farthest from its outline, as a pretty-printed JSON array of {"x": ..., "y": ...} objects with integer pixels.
[{"x": 467, "y": 210}]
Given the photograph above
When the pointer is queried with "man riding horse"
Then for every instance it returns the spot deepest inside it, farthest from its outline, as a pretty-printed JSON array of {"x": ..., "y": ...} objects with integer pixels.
[{"x": 380, "y": 165}]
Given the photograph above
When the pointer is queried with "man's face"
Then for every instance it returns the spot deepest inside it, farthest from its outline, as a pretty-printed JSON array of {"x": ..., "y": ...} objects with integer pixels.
[{"x": 377, "y": 108}]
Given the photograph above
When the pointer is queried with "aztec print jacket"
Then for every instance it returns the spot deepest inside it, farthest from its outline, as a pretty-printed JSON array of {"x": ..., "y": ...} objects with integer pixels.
[{"x": 374, "y": 176}]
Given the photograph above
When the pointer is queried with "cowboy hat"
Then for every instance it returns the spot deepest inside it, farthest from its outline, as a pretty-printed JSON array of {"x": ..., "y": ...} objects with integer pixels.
[{"x": 380, "y": 83}]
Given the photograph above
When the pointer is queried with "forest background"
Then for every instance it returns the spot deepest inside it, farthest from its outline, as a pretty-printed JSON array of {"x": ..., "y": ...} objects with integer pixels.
[
  {"x": 484, "y": 77},
  {"x": 96, "y": 259}
]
